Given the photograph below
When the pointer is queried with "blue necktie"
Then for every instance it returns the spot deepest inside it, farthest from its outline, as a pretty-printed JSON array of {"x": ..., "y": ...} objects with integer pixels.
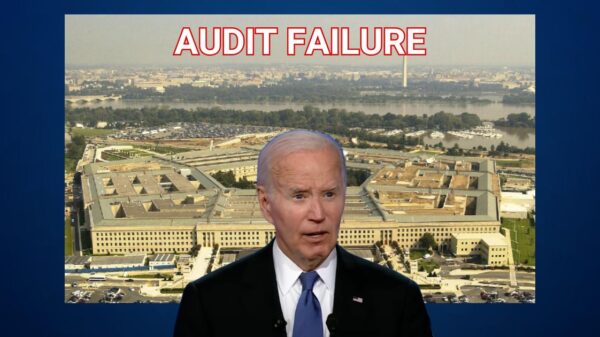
[{"x": 308, "y": 321}]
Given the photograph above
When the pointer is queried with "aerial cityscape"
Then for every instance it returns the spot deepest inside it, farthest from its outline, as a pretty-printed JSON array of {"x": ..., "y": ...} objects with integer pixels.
[{"x": 161, "y": 164}]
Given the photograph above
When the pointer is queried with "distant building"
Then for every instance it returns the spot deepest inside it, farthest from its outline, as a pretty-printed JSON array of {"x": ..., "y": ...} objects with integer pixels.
[
  {"x": 162, "y": 261},
  {"x": 114, "y": 263},
  {"x": 365, "y": 253},
  {"x": 405, "y": 72},
  {"x": 517, "y": 205},
  {"x": 227, "y": 258},
  {"x": 493, "y": 248},
  {"x": 170, "y": 204},
  {"x": 184, "y": 263},
  {"x": 517, "y": 184},
  {"x": 74, "y": 263},
  {"x": 413, "y": 266}
]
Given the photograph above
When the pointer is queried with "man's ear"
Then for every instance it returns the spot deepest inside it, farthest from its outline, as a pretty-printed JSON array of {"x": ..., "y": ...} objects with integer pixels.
[{"x": 264, "y": 202}]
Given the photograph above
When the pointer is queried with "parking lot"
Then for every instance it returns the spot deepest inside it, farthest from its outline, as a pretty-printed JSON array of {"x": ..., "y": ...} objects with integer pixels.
[
  {"x": 194, "y": 130},
  {"x": 109, "y": 295},
  {"x": 497, "y": 295}
]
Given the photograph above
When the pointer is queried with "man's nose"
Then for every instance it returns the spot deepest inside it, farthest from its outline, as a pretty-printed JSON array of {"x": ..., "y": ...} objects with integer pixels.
[{"x": 316, "y": 212}]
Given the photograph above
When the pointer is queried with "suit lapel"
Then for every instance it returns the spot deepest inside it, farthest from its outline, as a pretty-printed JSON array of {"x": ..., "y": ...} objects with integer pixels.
[
  {"x": 260, "y": 296},
  {"x": 349, "y": 303}
]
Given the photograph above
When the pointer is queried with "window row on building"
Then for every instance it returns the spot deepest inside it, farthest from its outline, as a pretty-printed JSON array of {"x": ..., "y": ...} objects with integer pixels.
[
  {"x": 169, "y": 240},
  {"x": 486, "y": 229},
  {"x": 496, "y": 262},
  {"x": 120, "y": 244},
  {"x": 470, "y": 249},
  {"x": 142, "y": 238},
  {"x": 141, "y": 250},
  {"x": 139, "y": 233}
]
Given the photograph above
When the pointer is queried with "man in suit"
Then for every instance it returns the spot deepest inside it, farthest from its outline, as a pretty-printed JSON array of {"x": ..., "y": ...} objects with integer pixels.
[{"x": 302, "y": 283}]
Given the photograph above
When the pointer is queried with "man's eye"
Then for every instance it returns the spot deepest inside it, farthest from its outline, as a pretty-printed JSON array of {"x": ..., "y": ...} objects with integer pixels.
[
  {"x": 298, "y": 196},
  {"x": 329, "y": 194}
]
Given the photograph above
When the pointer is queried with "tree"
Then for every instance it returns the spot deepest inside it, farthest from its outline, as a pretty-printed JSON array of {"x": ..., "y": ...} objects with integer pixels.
[
  {"x": 516, "y": 120},
  {"x": 76, "y": 147},
  {"x": 455, "y": 150},
  {"x": 428, "y": 242},
  {"x": 226, "y": 178},
  {"x": 356, "y": 177},
  {"x": 194, "y": 250}
]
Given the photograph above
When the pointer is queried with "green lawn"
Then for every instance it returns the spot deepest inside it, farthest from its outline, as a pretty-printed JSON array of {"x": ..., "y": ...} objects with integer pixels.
[
  {"x": 68, "y": 237},
  {"x": 131, "y": 153},
  {"x": 426, "y": 152},
  {"x": 89, "y": 132},
  {"x": 136, "y": 153},
  {"x": 522, "y": 232},
  {"x": 515, "y": 163},
  {"x": 428, "y": 266},
  {"x": 123, "y": 154},
  {"x": 165, "y": 149},
  {"x": 70, "y": 165},
  {"x": 416, "y": 254},
  {"x": 108, "y": 155},
  {"x": 153, "y": 275}
]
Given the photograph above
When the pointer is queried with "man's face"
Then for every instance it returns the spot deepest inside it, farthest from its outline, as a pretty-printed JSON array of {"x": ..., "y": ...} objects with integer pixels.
[{"x": 305, "y": 202}]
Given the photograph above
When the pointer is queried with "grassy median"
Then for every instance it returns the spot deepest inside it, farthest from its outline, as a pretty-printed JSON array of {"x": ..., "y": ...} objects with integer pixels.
[
  {"x": 68, "y": 237},
  {"x": 89, "y": 132}
]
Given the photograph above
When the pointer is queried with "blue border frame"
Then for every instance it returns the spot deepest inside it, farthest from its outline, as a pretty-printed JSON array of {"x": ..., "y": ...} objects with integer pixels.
[{"x": 32, "y": 148}]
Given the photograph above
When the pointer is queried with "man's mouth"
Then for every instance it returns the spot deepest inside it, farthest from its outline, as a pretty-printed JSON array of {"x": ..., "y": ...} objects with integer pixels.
[{"x": 315, "y": 235}]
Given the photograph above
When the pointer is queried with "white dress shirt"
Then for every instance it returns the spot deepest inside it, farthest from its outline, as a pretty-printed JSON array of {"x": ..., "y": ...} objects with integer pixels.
[{"x": 290, "y": 288}]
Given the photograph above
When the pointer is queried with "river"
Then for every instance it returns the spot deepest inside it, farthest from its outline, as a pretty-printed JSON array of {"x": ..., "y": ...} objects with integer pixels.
[
  {"x": 492, "y": 111},
  {"x": 517, "y": 137}
]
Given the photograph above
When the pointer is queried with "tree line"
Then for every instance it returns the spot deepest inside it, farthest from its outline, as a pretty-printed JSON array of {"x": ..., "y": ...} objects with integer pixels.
[
  {"x": 227, "y": 179},
  {"x": 519, "y": 98},
  {"x": 516, "y": 120},
  {"x": 336, "y": 121},
  {"x": 76, "y": 147},
  {"x": 504, "y": 148},
  {"x": 309, "y": 117}
]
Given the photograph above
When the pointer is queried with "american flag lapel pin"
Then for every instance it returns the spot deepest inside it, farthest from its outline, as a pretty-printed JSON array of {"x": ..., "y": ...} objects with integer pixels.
[{"x": 357, "y": 299}]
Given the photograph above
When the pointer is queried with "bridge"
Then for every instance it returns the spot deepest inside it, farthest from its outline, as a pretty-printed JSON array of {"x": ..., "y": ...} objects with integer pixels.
[{"x": 89, "y": 99}]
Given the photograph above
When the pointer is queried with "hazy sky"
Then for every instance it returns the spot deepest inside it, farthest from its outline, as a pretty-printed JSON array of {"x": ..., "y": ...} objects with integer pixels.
[{"x": 148, "y": 40}]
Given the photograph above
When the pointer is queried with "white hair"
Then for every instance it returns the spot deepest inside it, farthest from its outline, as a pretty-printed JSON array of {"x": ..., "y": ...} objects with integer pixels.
[{"x": 294, "y": 141}]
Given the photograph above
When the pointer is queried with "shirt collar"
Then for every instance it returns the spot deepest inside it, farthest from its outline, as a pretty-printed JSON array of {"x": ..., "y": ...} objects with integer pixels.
[{"x": 287, "y": 272}]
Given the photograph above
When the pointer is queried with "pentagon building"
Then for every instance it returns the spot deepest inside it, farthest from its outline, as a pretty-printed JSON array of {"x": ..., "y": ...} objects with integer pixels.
[{"x": 170, "y": 204}]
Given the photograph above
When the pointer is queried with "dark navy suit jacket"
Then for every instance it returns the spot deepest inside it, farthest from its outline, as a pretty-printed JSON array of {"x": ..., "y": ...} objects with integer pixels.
[{"x": 241, "y": 299}]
